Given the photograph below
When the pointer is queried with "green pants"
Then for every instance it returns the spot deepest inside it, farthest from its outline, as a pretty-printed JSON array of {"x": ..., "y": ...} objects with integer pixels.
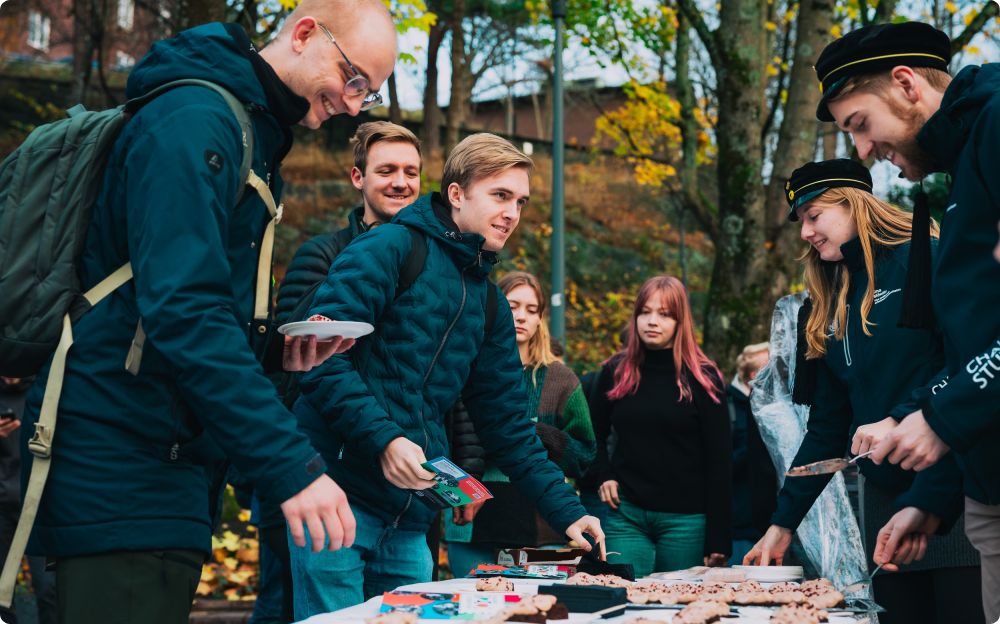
[
  {"x": 654, "y": 541},
  {"x": 150, "y": 587}
]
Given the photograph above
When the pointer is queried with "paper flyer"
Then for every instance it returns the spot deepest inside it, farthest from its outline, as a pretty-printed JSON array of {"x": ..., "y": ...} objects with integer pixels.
[
  {"x": 454, "y": 486},
  {"x": 435, "y": 606}
]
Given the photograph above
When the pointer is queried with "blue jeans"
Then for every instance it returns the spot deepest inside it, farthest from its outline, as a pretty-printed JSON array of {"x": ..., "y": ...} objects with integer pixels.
[
  {"x": 381, "y": 559},
  {"x": 654, "y": 541}
]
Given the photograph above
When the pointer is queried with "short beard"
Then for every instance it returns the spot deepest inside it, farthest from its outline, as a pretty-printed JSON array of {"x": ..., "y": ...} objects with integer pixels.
[
  {"x": 380, "y": 215},
  {"x": 921, "y": 163}
]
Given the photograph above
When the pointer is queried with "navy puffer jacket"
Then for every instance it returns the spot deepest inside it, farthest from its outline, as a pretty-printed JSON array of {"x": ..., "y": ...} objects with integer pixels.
[{"x": 401, "y": 380}]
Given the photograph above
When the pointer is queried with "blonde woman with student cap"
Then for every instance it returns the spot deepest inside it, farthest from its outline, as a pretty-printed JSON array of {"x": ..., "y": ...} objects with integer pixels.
[{"x": 859, "y": 370}]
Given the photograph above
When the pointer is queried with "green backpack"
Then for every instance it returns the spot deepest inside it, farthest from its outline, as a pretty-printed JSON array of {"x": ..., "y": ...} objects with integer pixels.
[{"x": 48, "y": 187}]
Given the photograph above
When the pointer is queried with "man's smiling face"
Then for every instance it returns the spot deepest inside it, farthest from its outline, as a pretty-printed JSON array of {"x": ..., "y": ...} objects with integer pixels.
[
  {"x": 391, "y": 180},
  {"x": 491, "y": 206}
]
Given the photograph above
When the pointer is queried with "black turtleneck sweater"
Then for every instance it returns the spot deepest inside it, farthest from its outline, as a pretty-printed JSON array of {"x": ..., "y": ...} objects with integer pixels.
[{"x": 670, "y": 455}]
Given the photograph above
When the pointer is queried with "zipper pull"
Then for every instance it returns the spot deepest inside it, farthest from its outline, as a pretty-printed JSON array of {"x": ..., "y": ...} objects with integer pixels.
[{"x": 175, "y": 451}]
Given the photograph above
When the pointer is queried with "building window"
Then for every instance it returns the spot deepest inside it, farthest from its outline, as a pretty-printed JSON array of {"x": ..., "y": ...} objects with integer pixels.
[
  {"x": 126, "y": 14},
  {"x": 38, "y": 30}
]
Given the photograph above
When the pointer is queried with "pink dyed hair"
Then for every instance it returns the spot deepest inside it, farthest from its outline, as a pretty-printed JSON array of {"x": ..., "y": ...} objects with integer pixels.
[{"x": 688, "y": 356}]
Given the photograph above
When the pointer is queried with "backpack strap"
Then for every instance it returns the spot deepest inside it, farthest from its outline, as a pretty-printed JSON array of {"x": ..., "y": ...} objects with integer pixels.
[
  {"x": 415, "y": 261},
  {"x": 40, "y": 444}
]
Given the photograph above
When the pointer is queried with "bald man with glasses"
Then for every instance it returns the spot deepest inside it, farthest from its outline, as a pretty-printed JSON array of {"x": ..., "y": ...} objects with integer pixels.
[{"x": 138, "y": 465}]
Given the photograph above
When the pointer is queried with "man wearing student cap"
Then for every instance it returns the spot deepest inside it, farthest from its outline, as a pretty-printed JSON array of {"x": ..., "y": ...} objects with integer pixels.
[{"x": 888, "y": 86}]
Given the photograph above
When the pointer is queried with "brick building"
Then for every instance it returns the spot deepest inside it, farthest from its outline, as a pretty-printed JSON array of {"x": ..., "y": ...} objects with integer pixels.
[
  {"x": 42, "y": 30},
  {"x": 530, "y": 116}
]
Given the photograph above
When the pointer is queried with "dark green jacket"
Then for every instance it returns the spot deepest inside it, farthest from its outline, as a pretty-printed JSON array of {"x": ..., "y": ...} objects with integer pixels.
[
  {"x": 861, "y": 380},
  {"x": 964, "y": 410},
  {"x": 402, "y": 379},
  {"x": 134, "y": 466}
]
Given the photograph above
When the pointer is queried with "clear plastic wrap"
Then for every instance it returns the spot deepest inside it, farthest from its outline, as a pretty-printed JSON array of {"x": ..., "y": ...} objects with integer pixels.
[{"x": 829, "y": 533}]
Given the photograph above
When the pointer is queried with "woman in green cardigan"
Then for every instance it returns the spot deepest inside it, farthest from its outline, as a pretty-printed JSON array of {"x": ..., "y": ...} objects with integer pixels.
[{"x": 559, "y": 408}]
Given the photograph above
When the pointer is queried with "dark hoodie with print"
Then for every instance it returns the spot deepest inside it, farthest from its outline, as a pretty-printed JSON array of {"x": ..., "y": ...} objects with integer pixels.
[{"x": 964, "y": 409}]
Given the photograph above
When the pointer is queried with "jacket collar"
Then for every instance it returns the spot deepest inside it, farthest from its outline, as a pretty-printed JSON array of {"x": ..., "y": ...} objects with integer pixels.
[
  {"x": 432, "y": 215},
  {"x": 356, "y": 221},
  {"x": 287, "y": 107},
  {"x": 946, "y": 132},
  {"x": 854, "y": 257}
]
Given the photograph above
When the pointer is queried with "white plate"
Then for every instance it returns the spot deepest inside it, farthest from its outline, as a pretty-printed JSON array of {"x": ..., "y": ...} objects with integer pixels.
[
  {"x": 772, "y": 574},
  {"x": 325, "y": 330}
]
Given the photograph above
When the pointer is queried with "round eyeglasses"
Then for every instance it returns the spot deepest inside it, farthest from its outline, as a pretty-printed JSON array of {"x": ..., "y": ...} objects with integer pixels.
[{"x": 358, "y": 83}]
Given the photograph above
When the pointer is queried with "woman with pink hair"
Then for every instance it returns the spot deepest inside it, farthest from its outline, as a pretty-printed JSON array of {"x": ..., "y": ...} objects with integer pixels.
[{"x": 668, "y": 479}]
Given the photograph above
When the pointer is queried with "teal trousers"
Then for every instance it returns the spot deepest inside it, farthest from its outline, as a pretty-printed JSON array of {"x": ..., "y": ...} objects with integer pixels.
[{"x": 654, "y": 541}]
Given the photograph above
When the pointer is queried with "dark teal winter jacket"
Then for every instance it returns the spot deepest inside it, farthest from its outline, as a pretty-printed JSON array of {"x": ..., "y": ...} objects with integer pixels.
[
  {"x": 135, "y": 462},
  {"x": 402, "y": 379},
  {"x": 862, "y": 380},
  {"x": 964, "y": 410}
]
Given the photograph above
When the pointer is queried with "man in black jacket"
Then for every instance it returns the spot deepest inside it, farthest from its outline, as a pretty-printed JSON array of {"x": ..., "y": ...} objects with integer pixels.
[
  {"x": 888, "y": 86},
  {"x": 387, "y": 172}
]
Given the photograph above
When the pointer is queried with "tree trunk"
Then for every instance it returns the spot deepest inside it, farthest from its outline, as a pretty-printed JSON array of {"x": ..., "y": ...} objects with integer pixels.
[
  {"x": 456, "y": 105},
  {"x": 395, "y": 112},
  {"x": 828, "y": 136},
  {"x": 204, "y": 11},
  {"x": 431, "y": 131},
  {"x": 796, "y": 146},
  {"x": 735, "y": 292},
  {"x": 83, "y": 48}
]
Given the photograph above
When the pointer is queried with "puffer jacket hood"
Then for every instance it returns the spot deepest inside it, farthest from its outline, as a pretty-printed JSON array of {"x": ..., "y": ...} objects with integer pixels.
[
  {"x": 946, "y": 132},
  {"x": 432, "y": 215}
]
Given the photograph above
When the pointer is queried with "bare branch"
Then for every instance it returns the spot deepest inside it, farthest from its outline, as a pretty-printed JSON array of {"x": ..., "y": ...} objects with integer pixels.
[
  {"x": 709, "y": 39},
  {"x": 989, "y": 11}
]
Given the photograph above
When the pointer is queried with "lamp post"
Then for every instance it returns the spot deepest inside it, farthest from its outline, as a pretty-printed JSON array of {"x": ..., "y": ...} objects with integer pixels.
[{"x": 558, "y": 315}]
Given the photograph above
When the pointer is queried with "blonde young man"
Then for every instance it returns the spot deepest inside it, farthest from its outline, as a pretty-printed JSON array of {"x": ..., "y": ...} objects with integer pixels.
[
  {"x": 128, "y": 508},
  {"x": 377, "y": 415}
]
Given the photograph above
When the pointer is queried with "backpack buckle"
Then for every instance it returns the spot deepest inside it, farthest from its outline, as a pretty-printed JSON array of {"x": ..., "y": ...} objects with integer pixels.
[{"x": 40, "y": 443}]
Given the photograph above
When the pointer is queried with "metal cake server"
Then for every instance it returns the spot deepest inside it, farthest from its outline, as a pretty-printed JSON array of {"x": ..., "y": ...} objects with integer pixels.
[{"x": 827, "y": 466}]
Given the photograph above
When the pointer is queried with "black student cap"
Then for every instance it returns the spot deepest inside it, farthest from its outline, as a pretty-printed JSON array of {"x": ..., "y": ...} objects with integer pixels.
[
  {"x": 878, "y": 48},
  {"x": 812, "y": 179}
]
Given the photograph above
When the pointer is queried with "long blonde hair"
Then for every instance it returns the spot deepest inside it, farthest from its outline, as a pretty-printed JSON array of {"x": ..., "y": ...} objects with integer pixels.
[
  {"x": 878, "y": 223},
  {"x": 540, "y": 345}
]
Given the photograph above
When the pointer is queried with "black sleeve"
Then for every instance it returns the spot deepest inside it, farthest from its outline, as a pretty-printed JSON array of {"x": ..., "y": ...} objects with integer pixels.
[
  {"x": 827, "y": 435},
  {"x": 739, "y": 421},
  {"x": 600, "y": 414},
  {"x": 716, "y": 439},
  {"x": 308, "y": 268},
  {"x": 466, "y": 448}
]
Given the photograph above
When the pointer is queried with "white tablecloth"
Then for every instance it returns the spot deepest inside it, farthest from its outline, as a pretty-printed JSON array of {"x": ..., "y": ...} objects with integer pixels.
[{"x": 358, "y": 613}]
